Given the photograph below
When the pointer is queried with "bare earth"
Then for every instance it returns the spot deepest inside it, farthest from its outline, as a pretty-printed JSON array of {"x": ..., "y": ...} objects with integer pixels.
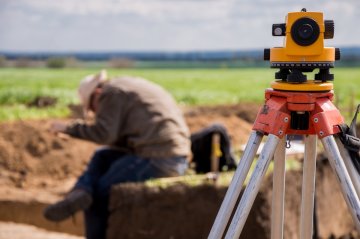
[
  {"x": 38, "y": 168},
  {"x": 21, "y": 231}
]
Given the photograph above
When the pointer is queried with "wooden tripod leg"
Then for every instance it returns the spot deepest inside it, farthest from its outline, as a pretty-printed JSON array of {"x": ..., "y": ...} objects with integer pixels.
[
  {"x": 308, "y": 187},
  {"x": 349, "y": 166},
  {"x": 252, "y": 188},
  {"x": 235, "y": 186},
  {"x": 343, "y": 177},
  {"x": 278, "y": 194}
]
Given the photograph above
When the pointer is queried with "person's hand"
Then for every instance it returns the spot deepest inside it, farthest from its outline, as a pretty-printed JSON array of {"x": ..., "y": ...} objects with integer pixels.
[{"x": 57, "y": 127}]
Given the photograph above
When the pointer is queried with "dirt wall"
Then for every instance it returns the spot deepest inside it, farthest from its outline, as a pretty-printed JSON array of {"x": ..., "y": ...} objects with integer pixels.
[
  {"x": 30, "y": 212},
  {"x": 181, "y": 211},
  {"x": 188, "y": 212}
]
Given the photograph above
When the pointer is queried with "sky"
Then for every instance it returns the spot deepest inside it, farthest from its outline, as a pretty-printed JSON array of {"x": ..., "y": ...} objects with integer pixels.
[{"x": 161, "y": 25}]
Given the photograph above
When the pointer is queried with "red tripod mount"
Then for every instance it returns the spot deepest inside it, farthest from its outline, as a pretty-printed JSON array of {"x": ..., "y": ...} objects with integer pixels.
[{"x": 296, "y": 112}]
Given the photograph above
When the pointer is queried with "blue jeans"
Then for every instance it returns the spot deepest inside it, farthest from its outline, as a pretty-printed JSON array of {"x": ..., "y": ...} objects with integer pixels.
[{"x": 108, "y": 167}]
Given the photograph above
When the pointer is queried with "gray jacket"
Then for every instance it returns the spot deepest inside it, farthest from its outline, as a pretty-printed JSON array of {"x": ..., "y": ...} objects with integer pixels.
[{"x": 139, "y": 116}]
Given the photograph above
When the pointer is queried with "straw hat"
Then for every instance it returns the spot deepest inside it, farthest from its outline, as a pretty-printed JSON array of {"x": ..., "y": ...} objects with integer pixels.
[{"x": 87, "y": 87}]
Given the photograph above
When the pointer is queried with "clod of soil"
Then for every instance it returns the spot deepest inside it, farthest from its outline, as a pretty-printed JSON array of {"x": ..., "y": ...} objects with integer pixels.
[{"x": 43, "y": 102}]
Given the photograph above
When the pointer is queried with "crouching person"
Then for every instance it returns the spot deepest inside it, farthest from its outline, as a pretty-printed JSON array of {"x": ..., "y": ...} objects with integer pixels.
[{"x": 145, "y": 136}]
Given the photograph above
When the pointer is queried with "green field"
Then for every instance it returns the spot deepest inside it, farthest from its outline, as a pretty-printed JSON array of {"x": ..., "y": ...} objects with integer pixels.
[{"x": 18, "y": 87}]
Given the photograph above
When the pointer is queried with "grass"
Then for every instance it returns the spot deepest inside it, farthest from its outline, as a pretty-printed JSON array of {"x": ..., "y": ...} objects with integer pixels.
[
  {"x": 192, "y": 180},
  {"x": 18, "y": 87},
  {"x": 223, "y": 179}
]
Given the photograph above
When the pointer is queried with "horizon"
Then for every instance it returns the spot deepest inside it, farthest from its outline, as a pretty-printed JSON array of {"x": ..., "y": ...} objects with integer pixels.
[{"x": 149, "y": 51}]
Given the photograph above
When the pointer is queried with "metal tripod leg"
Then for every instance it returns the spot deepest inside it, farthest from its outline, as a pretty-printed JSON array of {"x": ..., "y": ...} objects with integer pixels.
[
  {"x": 278, "y": 194},
  {"x": 343, "y": 177},
  {"x": 308, "y": 187},
  {"x": 235, "y": 186},
  {"x": 349, "y": 166},
  {"x": 252, "y": 188}
]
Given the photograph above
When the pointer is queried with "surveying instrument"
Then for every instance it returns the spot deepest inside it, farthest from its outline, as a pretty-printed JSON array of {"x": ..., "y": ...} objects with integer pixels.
[{"x": 294, "y": 106}]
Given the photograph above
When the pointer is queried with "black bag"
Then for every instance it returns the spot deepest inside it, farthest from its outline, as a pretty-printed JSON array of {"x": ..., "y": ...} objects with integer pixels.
[
  {"x": 201, "y": 147},
  {"x": 351, "y": 141}
]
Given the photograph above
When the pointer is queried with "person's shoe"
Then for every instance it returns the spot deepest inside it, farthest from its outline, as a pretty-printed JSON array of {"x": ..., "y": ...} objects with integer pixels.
[{"x": 75, "y": 201}]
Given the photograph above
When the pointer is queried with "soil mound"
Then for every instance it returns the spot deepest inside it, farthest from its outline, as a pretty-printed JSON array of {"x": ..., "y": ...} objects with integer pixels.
[
  {"x": 43, "y": 102},
  {"x": 237, "y": 119},
  {"x": 31, "y": 156}
]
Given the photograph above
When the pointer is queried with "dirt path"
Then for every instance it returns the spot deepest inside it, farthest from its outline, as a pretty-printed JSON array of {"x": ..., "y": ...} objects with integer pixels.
[{"x": 21, "y": 231}]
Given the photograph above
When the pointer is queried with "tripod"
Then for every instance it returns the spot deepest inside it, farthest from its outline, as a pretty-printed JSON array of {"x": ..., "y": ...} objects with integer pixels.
[{"x": 302, "y": 109}]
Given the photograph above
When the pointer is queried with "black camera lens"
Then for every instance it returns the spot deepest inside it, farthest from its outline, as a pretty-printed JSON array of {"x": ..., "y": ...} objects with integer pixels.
[{"x": 305, "y": 31}]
